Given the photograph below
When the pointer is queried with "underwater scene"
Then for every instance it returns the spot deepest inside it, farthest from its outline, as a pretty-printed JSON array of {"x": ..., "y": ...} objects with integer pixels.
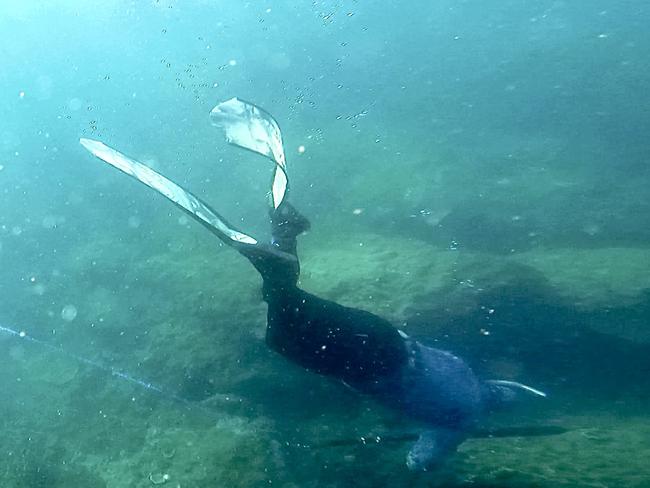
[{"x": 408, "y": 243}]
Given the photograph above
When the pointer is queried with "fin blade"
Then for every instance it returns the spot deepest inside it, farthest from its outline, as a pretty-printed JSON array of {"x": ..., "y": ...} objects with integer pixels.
[
  {"x": 191, "y": 204},
  {"x": 248, "y": 126},
  {"x": 514, "y": 385}
]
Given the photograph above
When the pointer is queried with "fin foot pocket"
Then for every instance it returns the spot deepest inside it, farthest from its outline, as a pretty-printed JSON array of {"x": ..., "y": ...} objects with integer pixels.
[{"x": 288, "y": 222}]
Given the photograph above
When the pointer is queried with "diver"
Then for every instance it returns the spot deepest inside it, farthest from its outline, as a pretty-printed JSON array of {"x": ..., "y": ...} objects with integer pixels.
[{"x": 357, "y": 347}]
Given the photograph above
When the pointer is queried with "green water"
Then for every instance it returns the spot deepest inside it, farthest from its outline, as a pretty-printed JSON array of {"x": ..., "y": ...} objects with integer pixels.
[{"x": 475, "y": 172}]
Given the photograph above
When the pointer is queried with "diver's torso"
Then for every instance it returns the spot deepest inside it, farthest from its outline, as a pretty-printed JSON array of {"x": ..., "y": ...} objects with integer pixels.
[
  {"x": 435, "y": 387},
  {"x": 369, "y": 354}
]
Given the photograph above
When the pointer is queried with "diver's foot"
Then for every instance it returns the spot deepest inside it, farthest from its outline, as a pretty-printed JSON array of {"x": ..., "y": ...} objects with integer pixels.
[{"x": 287, "y": 222}]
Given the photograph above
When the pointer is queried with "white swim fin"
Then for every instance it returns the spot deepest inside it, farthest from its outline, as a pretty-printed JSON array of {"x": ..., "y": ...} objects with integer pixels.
[
  {"x": 191, "y": 204},
  {"x": 251, "y": 127}
]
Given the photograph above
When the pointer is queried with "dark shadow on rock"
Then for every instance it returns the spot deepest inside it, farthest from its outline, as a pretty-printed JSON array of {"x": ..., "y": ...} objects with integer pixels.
[
  {"x": 497, "y": 228},
  {"x": 198, "y": 384},
  {"x": 522, "y": 329},
  {"x": 486, "y": 231},
  {"x": 469, "y": 228}
]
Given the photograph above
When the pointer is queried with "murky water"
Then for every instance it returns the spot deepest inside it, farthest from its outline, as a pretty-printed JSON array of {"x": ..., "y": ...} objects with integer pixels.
[{"x": 475, "y": 173}]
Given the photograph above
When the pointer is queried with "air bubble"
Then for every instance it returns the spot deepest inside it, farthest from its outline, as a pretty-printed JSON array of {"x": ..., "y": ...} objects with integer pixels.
[
  {"x": 134, "y": 221},
  {"x": 69, "y": 313},
  {"x": 74, "y": 104}
]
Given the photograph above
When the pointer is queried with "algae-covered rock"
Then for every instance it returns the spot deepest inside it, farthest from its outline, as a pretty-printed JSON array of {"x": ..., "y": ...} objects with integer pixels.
[
  {"x": 230, "y": 452},
  {"x": 393, "y": 276},
  {"x": 602, "y": 450},
  {"x": 592, "y": 278},
  {"x": 380, "y": 274}
]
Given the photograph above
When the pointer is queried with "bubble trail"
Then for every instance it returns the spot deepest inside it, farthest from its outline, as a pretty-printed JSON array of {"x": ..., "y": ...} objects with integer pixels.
[{"x": 94, "y": 364}]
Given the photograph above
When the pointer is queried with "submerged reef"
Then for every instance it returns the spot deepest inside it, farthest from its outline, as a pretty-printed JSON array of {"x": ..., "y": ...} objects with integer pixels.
[{"x": 221, "y": 410}]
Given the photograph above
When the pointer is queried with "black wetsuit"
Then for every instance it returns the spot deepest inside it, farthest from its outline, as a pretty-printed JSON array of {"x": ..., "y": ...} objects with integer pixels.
[
  {"x": 353, "y": 345},
  {"x": 360, "y": 348},
  {"x": 364, "y": 350}
]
